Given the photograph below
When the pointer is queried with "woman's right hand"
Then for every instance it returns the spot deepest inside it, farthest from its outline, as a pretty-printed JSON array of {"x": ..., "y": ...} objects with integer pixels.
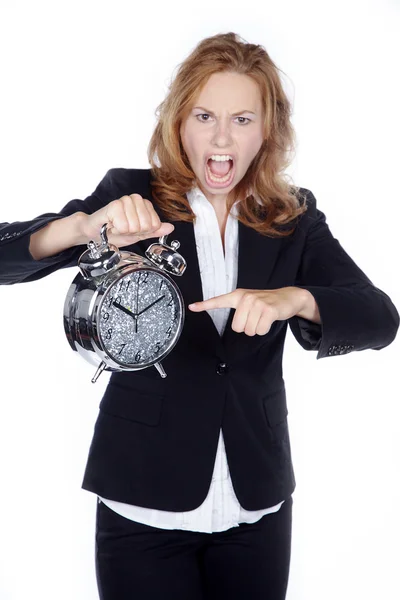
[{"x": 130, "y": 219}]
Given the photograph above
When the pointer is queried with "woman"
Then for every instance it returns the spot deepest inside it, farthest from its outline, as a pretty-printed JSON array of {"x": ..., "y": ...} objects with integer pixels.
[{"x": 193, "y": 473}]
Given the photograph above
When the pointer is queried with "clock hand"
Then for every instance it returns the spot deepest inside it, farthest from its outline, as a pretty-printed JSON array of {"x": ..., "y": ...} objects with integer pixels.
[
  {"x": 137, "y": 292},
  {"x": 125, "y": 310},
  {"x": 150, "y": 305}
]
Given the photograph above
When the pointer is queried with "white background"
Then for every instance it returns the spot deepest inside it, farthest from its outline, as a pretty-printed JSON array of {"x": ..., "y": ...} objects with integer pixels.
[{"x": 80, "y": 85}]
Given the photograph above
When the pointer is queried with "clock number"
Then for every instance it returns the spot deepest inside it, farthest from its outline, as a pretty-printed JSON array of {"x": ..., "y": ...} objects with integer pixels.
[
  {"x": 122, "y": 347},
  {"x": 168, "y": 332},
  {"x": 138, "y": 356},
  {"x": 106, "y": 316},
  {"x": 109, "y": 332},
  {"x": 121, "y": 285},
  {"x": 143, "y": 277},
  {"x": 170, "y": 303},
  {"x": 158, "y": 346},
  {"x": 161, "y": 284},
  {"x": 110, "y": 301}
]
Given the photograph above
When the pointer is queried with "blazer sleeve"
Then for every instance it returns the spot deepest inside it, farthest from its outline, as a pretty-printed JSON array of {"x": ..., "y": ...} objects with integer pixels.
[
  {"x": 16, "y": 262},
  {"x": 355, "y": 314}
]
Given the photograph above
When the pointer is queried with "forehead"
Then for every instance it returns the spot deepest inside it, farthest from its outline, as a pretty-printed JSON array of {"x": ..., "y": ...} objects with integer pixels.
[{"x": 234, "y": 91}]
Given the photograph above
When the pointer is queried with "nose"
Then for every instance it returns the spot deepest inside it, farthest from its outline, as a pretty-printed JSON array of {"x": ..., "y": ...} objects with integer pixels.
[{"x": 222, "y": 133}]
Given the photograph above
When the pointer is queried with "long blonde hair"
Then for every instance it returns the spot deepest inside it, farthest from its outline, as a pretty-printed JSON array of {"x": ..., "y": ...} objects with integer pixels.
[{"x": 279, "y": 202}]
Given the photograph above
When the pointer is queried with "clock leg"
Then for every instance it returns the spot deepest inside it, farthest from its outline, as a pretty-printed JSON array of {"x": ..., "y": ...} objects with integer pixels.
[
  {"x": 160, "y": 369},
  {"x": 99, "y": 371}
]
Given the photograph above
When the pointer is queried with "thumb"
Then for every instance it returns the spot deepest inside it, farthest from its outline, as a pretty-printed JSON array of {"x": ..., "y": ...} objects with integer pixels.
[{"x": 164, "y": 229}]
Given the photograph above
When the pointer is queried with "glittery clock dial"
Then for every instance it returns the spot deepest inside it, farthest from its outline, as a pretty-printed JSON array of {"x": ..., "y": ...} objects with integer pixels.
[{"x": 139, "y": 317}]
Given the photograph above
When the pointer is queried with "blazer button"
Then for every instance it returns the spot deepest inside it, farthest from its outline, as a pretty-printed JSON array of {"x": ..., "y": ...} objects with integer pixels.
[{"x": 222, "y": 368}]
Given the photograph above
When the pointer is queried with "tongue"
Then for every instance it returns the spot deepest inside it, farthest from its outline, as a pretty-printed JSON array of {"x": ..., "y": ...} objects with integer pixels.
[{"x": 219, "y": 168}]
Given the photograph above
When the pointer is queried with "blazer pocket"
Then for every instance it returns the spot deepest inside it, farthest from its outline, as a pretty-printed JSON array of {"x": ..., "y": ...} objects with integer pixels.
[
  {"x": 133, "y": 404},
  {"x": 276, "y": 411}
]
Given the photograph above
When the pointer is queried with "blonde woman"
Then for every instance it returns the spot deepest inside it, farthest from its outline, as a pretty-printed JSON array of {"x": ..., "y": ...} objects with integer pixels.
[{"x": 193, "y": 473}]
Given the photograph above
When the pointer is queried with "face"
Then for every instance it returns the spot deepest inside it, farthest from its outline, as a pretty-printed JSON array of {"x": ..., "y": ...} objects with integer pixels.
[{"x": 214, "y": 125}]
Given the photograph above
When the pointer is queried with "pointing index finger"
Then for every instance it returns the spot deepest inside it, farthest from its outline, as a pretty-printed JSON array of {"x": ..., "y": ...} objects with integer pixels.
[{"x": 222, "y": 301}]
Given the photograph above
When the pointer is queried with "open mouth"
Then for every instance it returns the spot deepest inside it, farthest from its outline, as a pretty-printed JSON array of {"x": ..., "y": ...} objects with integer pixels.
[{"x": 219, "y": 173}]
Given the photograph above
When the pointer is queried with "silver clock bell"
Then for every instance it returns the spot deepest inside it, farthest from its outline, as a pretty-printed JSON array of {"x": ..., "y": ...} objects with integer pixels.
[{"x": 123, "y": 312}]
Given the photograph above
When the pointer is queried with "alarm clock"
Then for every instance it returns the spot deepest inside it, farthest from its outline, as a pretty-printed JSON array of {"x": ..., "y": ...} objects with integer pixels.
[{"x": 124, "y": 311}]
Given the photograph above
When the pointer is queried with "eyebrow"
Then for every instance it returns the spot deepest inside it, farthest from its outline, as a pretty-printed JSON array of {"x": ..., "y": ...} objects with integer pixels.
[{"x": 233, "y": 115}]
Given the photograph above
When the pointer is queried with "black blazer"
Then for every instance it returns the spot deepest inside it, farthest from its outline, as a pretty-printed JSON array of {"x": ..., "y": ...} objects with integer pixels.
[{"x": 155, "y": 439}]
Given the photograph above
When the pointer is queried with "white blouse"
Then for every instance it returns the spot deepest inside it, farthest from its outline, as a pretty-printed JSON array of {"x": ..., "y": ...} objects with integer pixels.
[{"x": 221, "y": 509}]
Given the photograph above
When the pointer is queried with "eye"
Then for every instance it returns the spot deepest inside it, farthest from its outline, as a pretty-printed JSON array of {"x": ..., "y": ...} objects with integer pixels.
[
  {"x": 202, "y": 115},
  {"x": 246, "y": 118},
  {"x": 207, "y": 115}
]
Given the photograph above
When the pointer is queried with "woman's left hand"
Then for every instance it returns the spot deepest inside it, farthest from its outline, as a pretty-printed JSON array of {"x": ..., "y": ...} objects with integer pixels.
[{"x": 256, "y": 310}]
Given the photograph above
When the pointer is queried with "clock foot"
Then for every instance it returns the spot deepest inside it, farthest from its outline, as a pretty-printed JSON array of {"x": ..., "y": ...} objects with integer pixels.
[
  {"x": 99, "y": 371},
  {"x": 160, "y": 369}
]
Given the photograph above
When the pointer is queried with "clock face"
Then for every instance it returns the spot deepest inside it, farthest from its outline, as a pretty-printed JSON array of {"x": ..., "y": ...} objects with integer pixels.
[{"x": 138, "y": 317}]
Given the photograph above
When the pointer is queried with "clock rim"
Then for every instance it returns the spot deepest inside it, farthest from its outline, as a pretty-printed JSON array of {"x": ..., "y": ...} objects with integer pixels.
[{"x": 94, "y": 316}]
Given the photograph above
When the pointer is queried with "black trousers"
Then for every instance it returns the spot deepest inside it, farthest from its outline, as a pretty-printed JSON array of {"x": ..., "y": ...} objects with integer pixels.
[{"x": 140, "y": 562}]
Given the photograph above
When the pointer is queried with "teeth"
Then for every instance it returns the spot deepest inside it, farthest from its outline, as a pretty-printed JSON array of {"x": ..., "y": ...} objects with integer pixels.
[{"x": 221, "y": 157}]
